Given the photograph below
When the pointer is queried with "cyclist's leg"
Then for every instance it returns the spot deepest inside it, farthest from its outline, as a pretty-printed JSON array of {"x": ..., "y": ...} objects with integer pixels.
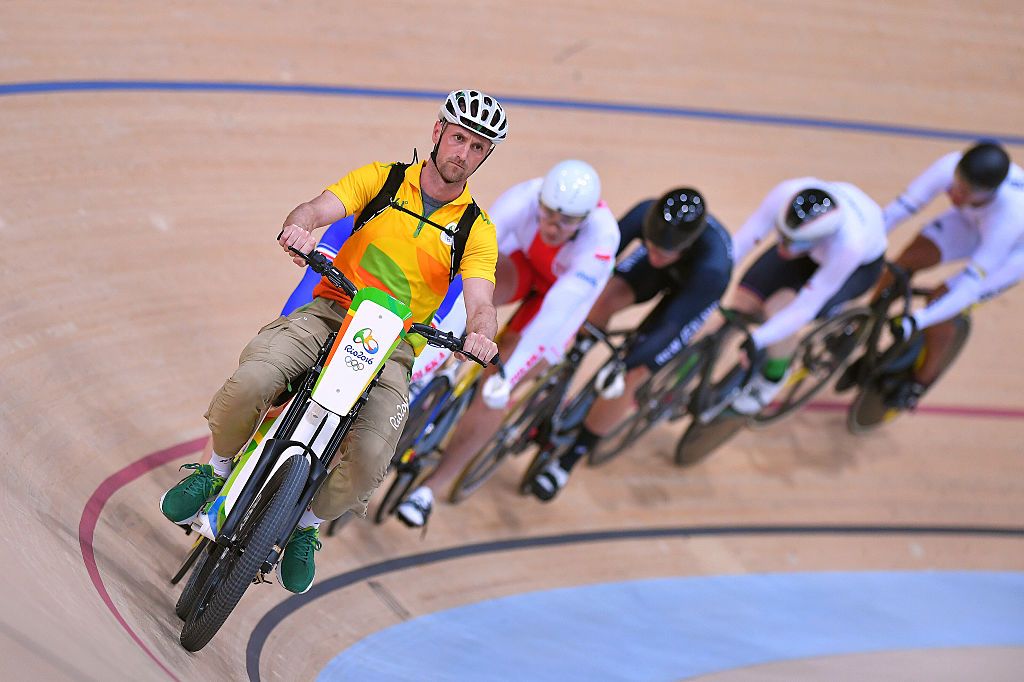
[
  {"x": 329, "y": 243},
  {"x": 514, "y": 280},
  {"x": 948, "y": 238},
  {"x": 370, "y": 443},
  {"x": 280, "y": 352}
]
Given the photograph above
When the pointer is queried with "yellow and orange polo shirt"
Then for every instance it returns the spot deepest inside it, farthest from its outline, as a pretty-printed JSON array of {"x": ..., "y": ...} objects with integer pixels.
[{"x": 402, "y": 255}]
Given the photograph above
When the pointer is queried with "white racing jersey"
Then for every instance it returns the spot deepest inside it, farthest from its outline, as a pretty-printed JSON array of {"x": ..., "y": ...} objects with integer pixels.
[
  {"x": 582, "y": 266},
  {"x": 858, "y": 241},
  {"x": 995, "y": 257}
]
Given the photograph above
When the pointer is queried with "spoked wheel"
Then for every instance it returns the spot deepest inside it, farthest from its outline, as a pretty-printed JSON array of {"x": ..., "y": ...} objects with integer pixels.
[
  {"x": 234, "y": 569},
  {"x": 405, "y": 476},
  {"x": 193, "y": 554},
  {"x": 512, "y": 437},
  {"x": 869, "y": 411},
  {"x": 700, "y": 440},
  {"x": 818, "y": 357},
  {"x": 662, "y": 396},
  {"x": 422, "y": 410}
]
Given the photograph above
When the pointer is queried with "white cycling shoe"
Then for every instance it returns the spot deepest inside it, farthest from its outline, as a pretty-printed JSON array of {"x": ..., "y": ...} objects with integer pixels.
[
  {"x": 415, "y": 509},
  {"x": 758, "y": 394}
]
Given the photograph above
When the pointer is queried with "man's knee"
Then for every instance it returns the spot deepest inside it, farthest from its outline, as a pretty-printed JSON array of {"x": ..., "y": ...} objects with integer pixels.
[{"x": 237, "y": 406}]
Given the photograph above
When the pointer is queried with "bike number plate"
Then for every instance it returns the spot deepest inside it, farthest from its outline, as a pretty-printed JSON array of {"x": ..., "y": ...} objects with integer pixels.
[{"x": 371, "y": 330}]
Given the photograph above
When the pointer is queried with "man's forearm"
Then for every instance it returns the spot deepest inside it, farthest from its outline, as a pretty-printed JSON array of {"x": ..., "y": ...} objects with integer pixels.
[{"x": 484, "y": 321}]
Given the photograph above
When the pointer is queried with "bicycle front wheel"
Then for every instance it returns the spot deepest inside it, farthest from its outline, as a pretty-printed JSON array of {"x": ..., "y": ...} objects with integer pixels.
[
  {"x": 261, "y": 528},
  {"x": 513, "y": 436},
  {"x": 821, "y": 353}
]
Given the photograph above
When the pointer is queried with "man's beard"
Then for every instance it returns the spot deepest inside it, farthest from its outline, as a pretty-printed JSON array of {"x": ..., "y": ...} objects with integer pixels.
[{"x": 452, "y": 173}]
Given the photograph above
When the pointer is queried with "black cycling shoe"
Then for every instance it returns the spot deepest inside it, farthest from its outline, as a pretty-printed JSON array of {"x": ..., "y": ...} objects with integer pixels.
[
  {"x": 905, "y": 396},
  {"x": 546, "y": 484}
]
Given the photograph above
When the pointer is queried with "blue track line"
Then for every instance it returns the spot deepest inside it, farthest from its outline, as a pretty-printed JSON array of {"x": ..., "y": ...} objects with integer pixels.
[{"x": 47, "y": 87}]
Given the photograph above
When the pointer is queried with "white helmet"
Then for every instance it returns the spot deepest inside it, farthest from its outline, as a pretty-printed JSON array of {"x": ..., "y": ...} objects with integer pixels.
[
  {"x": 809, "y": 215},
  {"x": 572, "y": 188},
  {"x": 475, "y": 111}
]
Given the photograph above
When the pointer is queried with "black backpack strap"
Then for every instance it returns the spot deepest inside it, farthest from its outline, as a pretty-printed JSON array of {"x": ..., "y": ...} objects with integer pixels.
[
  {"x": 383, "y": 198},
  {"x": 461, "y": 237}
]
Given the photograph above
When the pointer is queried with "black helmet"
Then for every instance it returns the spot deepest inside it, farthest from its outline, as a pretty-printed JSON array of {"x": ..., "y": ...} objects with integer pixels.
[
  {"x": 676, "y": 220},
  {"x": 809, "y": 215},
  {"x": 985, "y": 165}
]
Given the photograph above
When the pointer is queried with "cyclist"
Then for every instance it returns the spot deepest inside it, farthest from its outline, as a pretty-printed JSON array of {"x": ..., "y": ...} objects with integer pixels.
[
  {"x": 830, "y": 249},
  {"x": 557, "y": 241},
  {"x": 390, "y": 250},
  {"x": 685, "y": 255},
  {"x": 984, "y": 226}
]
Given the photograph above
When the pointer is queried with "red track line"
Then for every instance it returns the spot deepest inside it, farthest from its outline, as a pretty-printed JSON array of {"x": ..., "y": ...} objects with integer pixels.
[
  {"x": 947, "y": 410},
  {"x": 91, "y": 515}
]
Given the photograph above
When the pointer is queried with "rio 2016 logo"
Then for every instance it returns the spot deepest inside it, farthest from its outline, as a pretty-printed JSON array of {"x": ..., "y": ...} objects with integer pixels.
[{"x": 365, "y": 337}]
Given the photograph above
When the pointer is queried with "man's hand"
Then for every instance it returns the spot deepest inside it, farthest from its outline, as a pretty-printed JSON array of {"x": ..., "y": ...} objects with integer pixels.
[
  {"x": 480, "y": 346},
  {"x": 297, "y": 238},
  {"x": 902, "y": 327}
]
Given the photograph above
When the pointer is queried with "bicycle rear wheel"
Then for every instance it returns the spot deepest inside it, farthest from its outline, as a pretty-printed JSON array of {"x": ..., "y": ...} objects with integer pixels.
[
  {"x": 205, "y": 562},
  {"x": 260, "y": 529},
  {"x": 821, "y": 354},
  {"x": 396, "y": 492},
  {"x": 513, "y": 436},
  {"x": 193, "y": 554}
]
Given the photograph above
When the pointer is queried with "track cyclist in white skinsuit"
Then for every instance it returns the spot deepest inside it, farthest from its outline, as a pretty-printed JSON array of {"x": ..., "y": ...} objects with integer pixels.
[
  {"x": 556, "y": 242},
  {"x": 830, "y": 249},
  {"x": 984, "y": 226}
]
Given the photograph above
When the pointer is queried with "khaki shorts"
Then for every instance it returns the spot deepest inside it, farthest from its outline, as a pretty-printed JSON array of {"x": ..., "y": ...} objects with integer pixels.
[{"x": 279, "y": 354}]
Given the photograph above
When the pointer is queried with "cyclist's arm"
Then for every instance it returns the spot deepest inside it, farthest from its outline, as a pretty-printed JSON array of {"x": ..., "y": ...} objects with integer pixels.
[
  {"x": 827, "y": 280},
  {"x": 965, "y": 289},
  {"x": 921, "y": 191},
  {"x": 481, "y": 317},
  {"x": 565, "y": 307}
]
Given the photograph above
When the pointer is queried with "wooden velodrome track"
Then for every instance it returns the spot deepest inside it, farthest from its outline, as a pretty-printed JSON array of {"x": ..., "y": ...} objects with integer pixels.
[{"x": 137, "y": 219}]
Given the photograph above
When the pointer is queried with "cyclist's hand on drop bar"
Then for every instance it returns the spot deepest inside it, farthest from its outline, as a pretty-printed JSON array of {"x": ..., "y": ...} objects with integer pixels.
[
  {"x": 298, "y": 238},
  {"x": 478, "y": 345},
  {"x": 752, "y": 354},
  {"x": 902, "y": 327}
]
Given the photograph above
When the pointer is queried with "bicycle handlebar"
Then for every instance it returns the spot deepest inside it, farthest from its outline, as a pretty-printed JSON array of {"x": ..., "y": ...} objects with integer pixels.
[
  {"x": 436, "y": 337},
  {"x": 323, "y": 266}
]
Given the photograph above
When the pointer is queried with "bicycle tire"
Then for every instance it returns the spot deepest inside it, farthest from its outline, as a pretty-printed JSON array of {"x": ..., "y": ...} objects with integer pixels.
[
  {"x": 816, "y": 369},
  {"x": 198, "y": 577},
  {"x": 419, "y": 414},
  {"x": 699, "y": 441},
  {"x": 263, "y": 525},
  {"x": 512, "y": 437}
]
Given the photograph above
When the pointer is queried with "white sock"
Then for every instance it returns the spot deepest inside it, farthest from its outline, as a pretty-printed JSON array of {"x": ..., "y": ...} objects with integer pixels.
[
  {"x": 423, "y": 494},
  {"x": 309, "y": 519},
  {"x": 221, "y": 465}
]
